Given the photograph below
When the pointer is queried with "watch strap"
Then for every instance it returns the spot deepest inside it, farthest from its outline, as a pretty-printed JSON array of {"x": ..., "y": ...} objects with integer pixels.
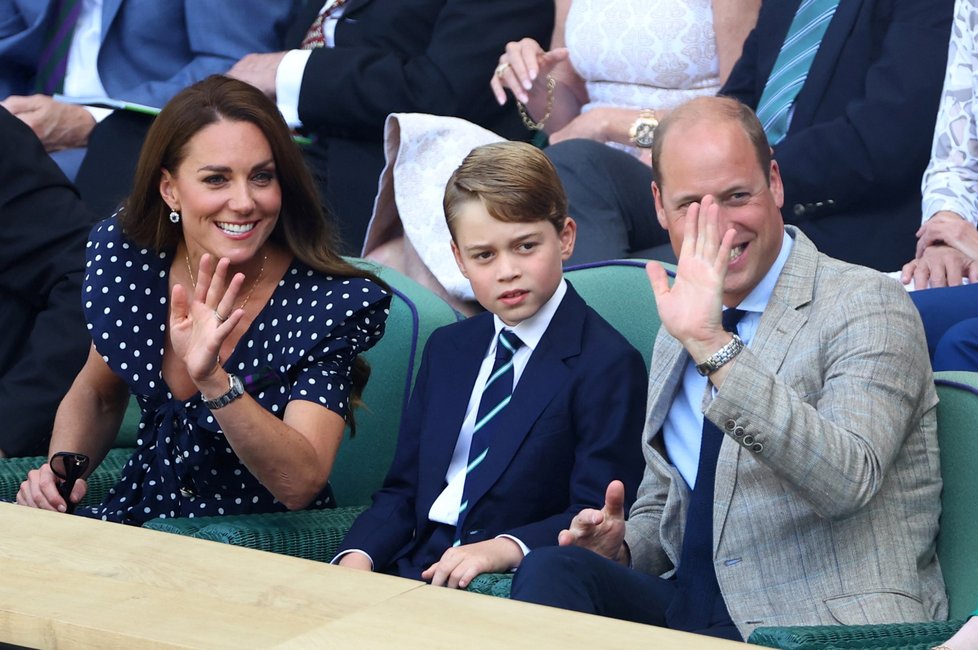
[
  {"x": 721, "y": 357},
  {"x": 235, "y": 390}
]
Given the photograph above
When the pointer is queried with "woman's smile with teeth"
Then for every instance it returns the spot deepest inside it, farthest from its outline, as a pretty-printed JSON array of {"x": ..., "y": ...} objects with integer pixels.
[{"x": 235, "y": 228}]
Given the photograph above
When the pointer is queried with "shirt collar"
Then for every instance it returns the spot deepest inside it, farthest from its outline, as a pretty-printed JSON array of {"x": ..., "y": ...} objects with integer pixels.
[
  {"x": 533, "y": 328},
  {"x": 756, "y": 301}
]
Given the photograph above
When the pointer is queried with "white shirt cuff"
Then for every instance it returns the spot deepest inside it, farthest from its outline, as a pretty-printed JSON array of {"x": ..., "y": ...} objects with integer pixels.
[
  {"x": 336, "y": 559},
  {"x": 519, "y": 543},
  {"x": 98, "y": 113},
  {"x": 288, "y": 83}
]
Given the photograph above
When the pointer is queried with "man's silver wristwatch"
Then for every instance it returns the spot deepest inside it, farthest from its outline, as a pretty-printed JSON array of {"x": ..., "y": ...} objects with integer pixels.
[
  {"x": 235, "y": 390},
  {"x": 721, "y": 356}
]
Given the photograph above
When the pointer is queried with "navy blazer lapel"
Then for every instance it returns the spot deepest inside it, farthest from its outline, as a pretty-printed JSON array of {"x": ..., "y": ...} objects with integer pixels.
[
  {"x": 450, "y": 387},
  {"x": 825, "y": 62},
  {"x": 543, "y": 377}
]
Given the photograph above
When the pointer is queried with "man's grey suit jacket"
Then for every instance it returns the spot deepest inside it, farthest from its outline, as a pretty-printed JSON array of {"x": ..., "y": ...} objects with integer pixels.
[{"x": 828, "y": 483}]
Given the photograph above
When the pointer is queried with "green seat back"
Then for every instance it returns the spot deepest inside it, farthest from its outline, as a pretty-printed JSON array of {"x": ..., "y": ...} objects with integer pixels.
[
  {"x": 957, "y": 429},
  {"x": 363, "y": 460},
  {"x": 619, "y": 290}
]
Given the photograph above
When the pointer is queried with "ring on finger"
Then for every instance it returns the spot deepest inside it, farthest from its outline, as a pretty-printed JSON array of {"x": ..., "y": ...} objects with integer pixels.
[
  {"x": 502, "y": 68},
  {"x": 219, "y": 317}
]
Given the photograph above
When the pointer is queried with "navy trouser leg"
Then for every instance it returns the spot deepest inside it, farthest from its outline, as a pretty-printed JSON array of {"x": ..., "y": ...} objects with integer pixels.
[
  {"x": 941, "y": 309},
  {"x": 958, "y": 348},
  {"x": 573, "y": 578}
]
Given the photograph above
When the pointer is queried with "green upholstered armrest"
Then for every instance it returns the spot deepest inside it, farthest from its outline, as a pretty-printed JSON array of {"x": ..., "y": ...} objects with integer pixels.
[
  {"x": 308, "y": 534},
  {"x": 492, "y": 584},
  {"x": 905, "y": 636},
  {"x": 13, "y": 471}
]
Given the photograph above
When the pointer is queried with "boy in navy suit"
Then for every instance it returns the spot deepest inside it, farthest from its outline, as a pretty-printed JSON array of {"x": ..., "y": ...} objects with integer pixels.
[{"x": 520, "y": 416}]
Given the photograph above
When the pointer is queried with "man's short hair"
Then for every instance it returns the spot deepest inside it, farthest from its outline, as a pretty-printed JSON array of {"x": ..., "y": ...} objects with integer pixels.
[
  {"x": 714, "y": 109},
  {"x": 515, "y": 181}
]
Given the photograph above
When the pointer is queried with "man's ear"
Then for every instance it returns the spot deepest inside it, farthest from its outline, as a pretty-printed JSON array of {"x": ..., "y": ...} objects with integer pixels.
[
  {"x": 660, "y": 212},
  {"x": 567, "y": 238},
  {"x": 777, "y": 186},
  {"x": 458, "y": 259}
]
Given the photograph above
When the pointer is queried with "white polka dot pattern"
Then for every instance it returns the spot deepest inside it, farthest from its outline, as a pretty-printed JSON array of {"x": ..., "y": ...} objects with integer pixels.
[{"x": 300, "y": 346}]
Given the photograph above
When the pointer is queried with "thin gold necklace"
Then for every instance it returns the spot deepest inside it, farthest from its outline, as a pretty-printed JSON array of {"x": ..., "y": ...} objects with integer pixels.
[{"x": 261, "y": 273}]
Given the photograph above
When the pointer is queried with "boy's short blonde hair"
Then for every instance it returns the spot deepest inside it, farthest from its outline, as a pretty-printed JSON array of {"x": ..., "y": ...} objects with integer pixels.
[{"x": 515, "y": 181}]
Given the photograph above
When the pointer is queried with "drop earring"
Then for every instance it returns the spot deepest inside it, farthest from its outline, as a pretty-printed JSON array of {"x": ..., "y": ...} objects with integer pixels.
[{"x": 174, "y": 216}]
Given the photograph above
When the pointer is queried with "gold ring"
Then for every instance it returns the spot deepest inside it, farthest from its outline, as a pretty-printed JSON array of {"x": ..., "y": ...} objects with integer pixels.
[
  {"x": 219, "y": 317},
  {"x": 501, "y": 69}
]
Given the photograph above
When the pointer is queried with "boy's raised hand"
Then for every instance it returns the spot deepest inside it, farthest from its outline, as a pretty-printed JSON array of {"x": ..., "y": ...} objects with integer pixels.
[
  {"x": 460, "y": 564},
  {"x": 601, "y": 531}
]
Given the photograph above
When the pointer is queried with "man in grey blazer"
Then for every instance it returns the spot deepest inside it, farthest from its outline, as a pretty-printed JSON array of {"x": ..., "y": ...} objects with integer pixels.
[{"x": 820, "y": 501}]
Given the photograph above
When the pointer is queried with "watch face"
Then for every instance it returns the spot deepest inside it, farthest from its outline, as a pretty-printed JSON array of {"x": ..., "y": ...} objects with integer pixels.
[{"x": 642, "y": 132}]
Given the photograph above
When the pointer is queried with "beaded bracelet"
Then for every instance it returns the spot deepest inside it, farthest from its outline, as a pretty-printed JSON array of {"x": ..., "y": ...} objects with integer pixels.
[{"x": 527, "y": 120}]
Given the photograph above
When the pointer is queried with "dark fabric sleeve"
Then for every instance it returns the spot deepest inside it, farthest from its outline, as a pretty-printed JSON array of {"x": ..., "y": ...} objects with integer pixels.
[
  {"x": 42, "y": 243},
  {"x": 424, "y": 56}
]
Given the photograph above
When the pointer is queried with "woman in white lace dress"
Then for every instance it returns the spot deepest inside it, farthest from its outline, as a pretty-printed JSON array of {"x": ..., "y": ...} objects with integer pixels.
[
  {"x": 947, "y": 242},
  {"x": 609, "y": 62},
  {"x": 612, "y": 60}
]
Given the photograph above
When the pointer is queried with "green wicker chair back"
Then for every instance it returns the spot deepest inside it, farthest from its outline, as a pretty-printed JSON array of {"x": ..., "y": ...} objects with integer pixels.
[
  {"x": 619, "y": 290},
  {"x": 957, "y": 427},
  {"x": 364, "y": 459}
]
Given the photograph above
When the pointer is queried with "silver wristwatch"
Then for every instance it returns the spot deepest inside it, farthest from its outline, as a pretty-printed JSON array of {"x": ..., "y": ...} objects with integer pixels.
[
  {"x": 721, "y": 356},
  {"x": 235, "y": 390}
]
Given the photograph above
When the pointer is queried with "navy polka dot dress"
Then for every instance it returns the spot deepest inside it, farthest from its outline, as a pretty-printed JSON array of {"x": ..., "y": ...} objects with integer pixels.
[{"x": 300, "y": 346}]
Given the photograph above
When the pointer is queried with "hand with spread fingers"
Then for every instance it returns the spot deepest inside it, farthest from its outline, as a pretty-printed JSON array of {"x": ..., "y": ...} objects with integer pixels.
[
  {"x": 201, "y": 323},
  {"x": 690, "y": 309}
]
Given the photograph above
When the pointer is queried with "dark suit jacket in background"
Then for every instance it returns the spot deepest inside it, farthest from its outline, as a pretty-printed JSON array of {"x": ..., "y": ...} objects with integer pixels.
[
  {"x": 44, "y": 341},
  {"x": 861, "y": 132},
  {"x": 573, "y": 425},
  {"x": 402, "y": 56}
]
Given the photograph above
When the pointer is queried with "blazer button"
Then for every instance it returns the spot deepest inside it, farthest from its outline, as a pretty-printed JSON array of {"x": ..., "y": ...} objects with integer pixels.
[
  {"x": 748, "y": 440},
  {"x": 830, "y": 202},
  {"x": 809, "y": 208},
  {"x": 739, "y": 432},
  {"x": 757, "y": 448},
  {"x": 729, "y": 425},
  {"x": 798, "y": 209}
]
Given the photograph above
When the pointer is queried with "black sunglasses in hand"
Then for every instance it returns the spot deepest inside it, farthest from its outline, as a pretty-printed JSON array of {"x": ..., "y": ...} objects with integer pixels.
[{"x": 68, "y": 466}]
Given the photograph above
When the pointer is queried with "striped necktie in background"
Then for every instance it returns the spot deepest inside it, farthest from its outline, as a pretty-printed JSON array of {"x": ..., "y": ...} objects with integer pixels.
[
  {"x": 53, "y": 64},
  {"x": 792, "y": 65},
  {"x": 495, "y": 397},
  {"x": 315, "y": 37}
]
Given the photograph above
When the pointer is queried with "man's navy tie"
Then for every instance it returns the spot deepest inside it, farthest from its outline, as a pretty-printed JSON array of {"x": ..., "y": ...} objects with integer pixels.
[{"x": 698, "y": 593}]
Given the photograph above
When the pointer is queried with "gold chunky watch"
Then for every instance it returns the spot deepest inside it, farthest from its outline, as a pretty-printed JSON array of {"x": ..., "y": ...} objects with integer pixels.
[{"x": 643, "y": 128}]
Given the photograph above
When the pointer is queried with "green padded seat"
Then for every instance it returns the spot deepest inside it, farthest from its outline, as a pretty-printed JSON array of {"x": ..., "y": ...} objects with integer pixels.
[
  {"x": 492, "y": 584},
  {"x": 905, "y": 636},
  {"x": 619, "y": 290},
  {"x": 957, "y": 415},
  {"x": 309, "y": 534}
]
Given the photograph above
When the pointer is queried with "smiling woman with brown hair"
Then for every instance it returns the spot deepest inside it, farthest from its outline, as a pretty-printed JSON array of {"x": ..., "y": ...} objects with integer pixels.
[{"x": 216, "y": 297}]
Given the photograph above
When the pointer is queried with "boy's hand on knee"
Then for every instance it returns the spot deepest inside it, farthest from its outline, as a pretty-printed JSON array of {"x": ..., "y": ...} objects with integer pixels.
[
  {"x": 601, "y": 531},
  {"x": 460, "y": 564}
]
